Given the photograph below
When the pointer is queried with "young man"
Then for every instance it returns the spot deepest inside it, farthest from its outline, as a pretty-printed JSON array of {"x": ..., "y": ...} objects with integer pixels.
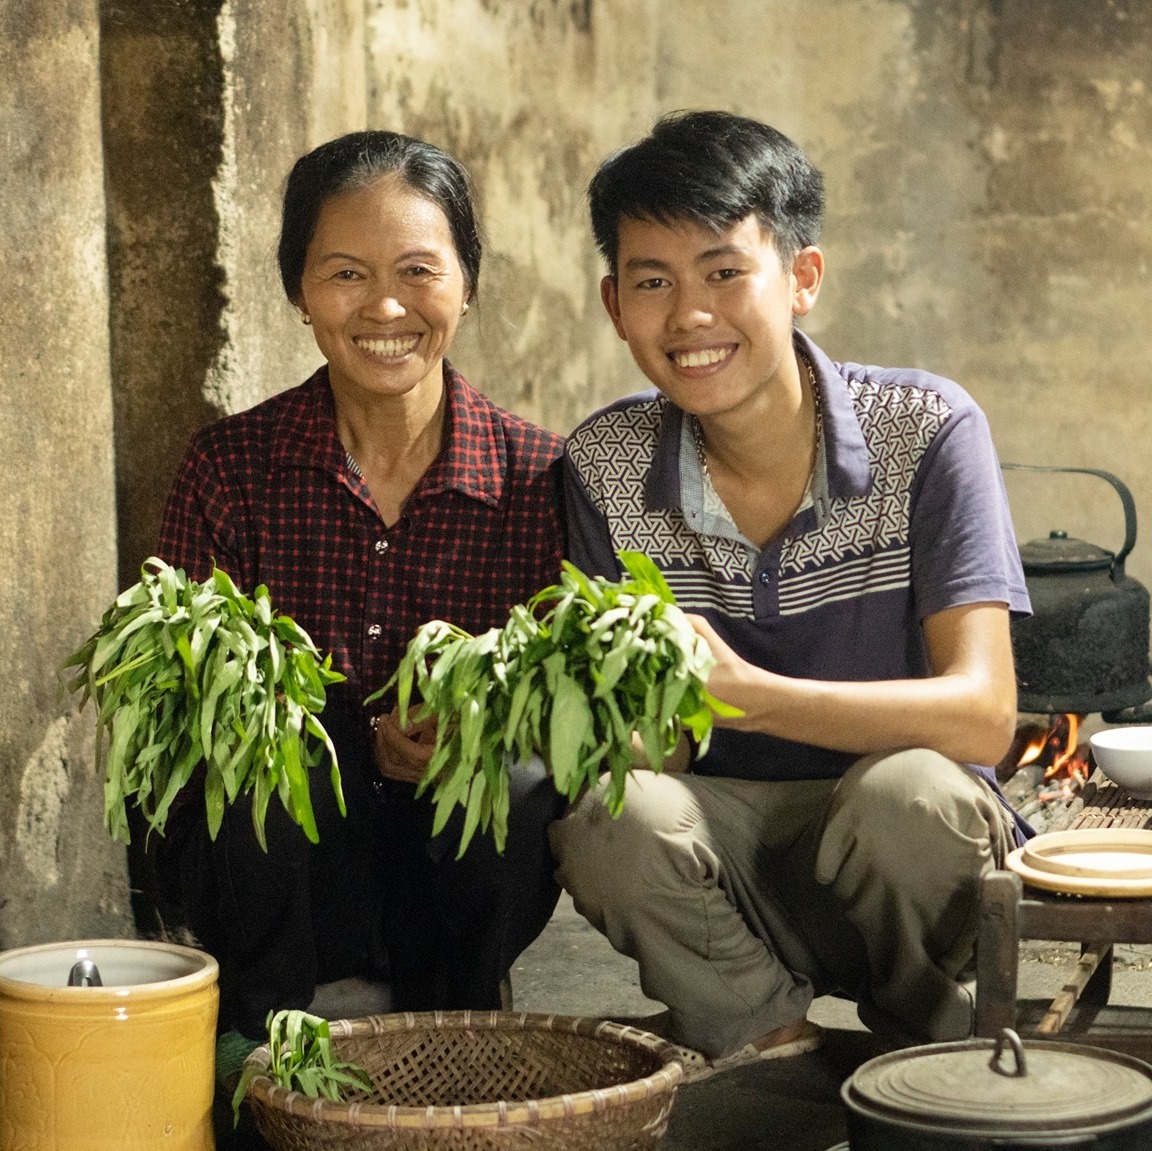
[{"x": 841, "y": 537}]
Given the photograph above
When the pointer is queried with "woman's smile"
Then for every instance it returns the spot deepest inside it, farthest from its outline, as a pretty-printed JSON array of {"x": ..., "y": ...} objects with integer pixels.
[{"x": 390, "y": 347}]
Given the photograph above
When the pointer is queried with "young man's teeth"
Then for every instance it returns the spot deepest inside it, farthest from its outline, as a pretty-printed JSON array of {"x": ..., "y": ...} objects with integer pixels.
[
  {"x": 700, "y": 359},
  {"x": 389, "y": 347}
]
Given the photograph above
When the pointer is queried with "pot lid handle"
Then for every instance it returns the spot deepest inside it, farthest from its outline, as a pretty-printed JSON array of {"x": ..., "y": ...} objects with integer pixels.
[
  {"x": 1121, "y": 490},
  {"x": 1009, "y": 1038},
  {"x": 85, "y": 973}
]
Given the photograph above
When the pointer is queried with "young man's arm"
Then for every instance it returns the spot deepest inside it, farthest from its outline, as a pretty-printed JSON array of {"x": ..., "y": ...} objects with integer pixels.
[
  {"x": 589, "y": 542},
  {"x": 965, "y": 710}
]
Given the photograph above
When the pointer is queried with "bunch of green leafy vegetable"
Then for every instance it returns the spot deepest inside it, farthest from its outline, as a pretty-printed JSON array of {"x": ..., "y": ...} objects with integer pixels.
[
  {"x": 184, "y": 673},
  {"x": 571, "y": 675},
  {"x": 300, "y": 1058}
]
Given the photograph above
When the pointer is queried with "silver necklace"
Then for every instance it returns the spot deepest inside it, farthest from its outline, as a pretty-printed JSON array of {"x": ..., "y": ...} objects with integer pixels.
[{"x": 698, "y": 431}]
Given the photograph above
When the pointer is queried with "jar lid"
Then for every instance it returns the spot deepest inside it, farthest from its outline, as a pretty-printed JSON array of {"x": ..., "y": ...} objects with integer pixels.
[
  {"x": 1002, "y": 1086},
  {"x": 1062, "y": 552}
]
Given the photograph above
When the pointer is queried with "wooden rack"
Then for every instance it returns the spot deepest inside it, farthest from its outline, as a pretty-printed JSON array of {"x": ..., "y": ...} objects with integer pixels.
[{"x": 1011, "y": 911}]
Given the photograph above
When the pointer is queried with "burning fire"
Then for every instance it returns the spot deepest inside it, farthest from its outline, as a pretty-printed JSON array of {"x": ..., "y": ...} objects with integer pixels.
[{"x": 1057, "y": 749}]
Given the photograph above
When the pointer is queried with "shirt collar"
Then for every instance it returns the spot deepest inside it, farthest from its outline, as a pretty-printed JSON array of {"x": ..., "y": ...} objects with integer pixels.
[
  {"x": 845, "y": 454},
  {"x": 473, "y": 460}
]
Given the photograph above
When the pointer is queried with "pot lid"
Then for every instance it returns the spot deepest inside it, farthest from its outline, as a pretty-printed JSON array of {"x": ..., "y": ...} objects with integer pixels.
[
  {"x": 1002, "y": 1086},
  {"x": 1062, "y": 552}
]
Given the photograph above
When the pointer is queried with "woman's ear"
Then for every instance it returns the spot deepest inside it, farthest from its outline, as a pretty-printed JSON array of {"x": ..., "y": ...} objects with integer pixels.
[{"x": 808, "y": 274}]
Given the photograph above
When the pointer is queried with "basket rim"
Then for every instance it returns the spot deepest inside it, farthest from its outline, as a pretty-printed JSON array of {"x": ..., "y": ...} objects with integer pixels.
[{"x": 532, "y": 1112}]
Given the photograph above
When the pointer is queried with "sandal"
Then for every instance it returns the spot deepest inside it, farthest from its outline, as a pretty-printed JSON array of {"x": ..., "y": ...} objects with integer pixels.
[
  {"x": 698, "y": 1067},
  {"x": 810, "y": 1038}
]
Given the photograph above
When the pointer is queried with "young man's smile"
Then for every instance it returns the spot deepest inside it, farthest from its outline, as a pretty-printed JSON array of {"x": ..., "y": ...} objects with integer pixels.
[{"x": 702, "y": 360}]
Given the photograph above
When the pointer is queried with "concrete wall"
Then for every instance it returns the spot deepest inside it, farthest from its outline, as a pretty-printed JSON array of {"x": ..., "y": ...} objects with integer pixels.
[
  {"x": 987, "y": 170},
  {"x": 990, "y": 218},
  {"x": 59, "y": 874}
]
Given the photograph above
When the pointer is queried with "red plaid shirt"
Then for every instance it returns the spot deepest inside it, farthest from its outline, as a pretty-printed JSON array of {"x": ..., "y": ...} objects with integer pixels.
[{"x": 269, "y": 495}]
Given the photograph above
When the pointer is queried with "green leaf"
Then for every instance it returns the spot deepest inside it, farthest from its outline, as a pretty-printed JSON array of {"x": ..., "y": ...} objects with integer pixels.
[
  {"x": 214, "y": 803},
  {"x": 301, "y": 1058},
  {"x": 476, "y": 795},
  {"x": 570, "y": 721},
  {"x": 641, "y": 568}
]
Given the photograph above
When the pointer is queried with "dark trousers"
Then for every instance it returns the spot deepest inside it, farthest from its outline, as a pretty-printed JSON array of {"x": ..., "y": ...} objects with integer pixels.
[{"x": 377, "y": 897}]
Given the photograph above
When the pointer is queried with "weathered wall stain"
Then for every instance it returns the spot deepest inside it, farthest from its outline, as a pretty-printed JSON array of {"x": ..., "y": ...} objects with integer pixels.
[
  {"x": 161, "y": 76},
  {"x": 44, "y": 787}
]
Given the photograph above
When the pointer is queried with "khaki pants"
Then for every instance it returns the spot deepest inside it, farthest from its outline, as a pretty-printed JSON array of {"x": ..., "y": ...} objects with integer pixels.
[{"x": 740, "y": 900}]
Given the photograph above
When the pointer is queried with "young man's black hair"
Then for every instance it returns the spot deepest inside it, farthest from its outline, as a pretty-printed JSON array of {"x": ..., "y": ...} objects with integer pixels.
[{"x": 715, "y": 169}]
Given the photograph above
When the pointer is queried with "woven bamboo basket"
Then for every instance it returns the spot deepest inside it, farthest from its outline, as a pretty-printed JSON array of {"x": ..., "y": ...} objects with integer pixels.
[{"x": 481, "y": 1081}]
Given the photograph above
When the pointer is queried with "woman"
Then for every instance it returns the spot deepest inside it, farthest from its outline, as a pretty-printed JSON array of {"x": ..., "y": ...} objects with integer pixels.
[{"x": 379, "y": 494}]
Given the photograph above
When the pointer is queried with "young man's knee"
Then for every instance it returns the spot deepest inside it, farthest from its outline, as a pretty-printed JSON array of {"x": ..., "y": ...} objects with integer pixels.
[
  {"x": 606, "y": 858},
  {"x": 589, "y": 838},
  {"x": 911, "y": 803},
  {"x": 913, "y": 787}
]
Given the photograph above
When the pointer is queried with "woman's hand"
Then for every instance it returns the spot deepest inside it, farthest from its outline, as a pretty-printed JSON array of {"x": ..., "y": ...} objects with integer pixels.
[
  {"x": 679, "y": 761},
  {"x": 403, "y": 753}
]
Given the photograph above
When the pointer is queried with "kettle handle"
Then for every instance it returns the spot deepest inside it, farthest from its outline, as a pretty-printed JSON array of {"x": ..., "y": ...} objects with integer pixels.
[{"x": 1121, "y": 490}]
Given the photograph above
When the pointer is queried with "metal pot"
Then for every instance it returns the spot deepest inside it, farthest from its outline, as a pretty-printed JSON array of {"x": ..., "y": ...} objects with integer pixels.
[
  {"x": 1000, "y": 1093},
  {"x": 1085, "y": 647}
]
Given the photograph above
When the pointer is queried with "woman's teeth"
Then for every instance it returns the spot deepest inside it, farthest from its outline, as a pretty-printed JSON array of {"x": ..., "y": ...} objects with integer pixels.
[{"x": 389, "y": 347}]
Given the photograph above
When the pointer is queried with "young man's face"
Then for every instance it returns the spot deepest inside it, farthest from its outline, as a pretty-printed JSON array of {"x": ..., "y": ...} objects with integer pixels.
[{"x": 708, "y": 315}]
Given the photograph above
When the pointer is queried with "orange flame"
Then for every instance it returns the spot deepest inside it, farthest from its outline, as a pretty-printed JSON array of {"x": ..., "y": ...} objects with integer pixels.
[
  {"x": 1032, "y": 751},
  {"x": 1059, "y": 751},
  {"x": 1064, "y": 762}
]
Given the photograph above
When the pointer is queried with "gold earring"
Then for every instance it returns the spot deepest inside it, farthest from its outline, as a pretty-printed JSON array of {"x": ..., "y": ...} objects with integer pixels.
[
  {"x": 464, "y": 310},
  {"x": 305, "y": 317}
]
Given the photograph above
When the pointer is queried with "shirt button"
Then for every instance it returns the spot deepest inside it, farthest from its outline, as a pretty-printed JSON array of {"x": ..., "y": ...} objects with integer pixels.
[
  {"x": 374, "y": 630},
  {"x": 381, "y": 546},
  {"x": 765, "y": 579}
]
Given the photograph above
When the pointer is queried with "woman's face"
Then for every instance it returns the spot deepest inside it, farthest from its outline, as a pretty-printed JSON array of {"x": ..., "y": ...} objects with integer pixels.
[{"x": 385, "y": 290}]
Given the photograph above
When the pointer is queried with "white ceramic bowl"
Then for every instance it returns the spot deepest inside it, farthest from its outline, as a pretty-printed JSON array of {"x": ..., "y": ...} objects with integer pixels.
[{"x": 1124, "y": 755}]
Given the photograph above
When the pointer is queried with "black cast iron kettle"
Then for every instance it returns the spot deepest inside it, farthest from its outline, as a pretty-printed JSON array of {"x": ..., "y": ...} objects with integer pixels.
[{"x": 1085, "y": 647}]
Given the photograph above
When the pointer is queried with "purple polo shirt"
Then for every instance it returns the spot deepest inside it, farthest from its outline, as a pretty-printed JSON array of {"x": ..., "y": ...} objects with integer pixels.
[{"x": 908, "y": 517}]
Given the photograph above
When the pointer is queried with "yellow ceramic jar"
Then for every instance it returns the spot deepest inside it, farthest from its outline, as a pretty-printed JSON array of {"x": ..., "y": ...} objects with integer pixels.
[{"x": 124, "y": 1066}]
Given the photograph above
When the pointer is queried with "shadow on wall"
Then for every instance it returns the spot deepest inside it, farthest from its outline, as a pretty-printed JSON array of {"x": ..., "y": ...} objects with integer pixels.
[{"x": 161, "y": 83}]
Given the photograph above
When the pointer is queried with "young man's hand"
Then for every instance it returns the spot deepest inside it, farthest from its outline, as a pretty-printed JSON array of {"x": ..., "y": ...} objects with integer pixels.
[
  {"x": 729, "y": 677},
  {"x": 965, "y": 709}
]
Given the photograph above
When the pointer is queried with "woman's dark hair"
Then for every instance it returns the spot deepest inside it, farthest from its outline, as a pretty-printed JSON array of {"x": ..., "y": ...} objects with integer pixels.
[
  {"x": 358, "y": 160},
  {"x": 712, "y": 168}
]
